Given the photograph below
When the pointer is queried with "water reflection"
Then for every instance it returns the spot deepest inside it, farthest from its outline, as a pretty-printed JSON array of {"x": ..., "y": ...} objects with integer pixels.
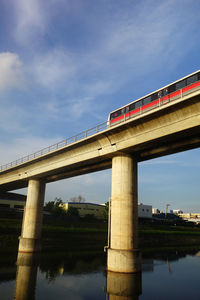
[
  {"x": 27, "y": 265},
  {"x": 124, "y": 286},
  {"x": 82, "y": 276}
]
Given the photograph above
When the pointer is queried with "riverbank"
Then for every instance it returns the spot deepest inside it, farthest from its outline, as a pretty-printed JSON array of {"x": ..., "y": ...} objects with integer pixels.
[{"x": 61, "y": 236}]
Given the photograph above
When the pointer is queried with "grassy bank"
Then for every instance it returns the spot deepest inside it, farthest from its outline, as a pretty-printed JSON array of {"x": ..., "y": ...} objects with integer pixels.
[
  {"x": 61, "y": 236},
  {"x": 168, "y": 236}
]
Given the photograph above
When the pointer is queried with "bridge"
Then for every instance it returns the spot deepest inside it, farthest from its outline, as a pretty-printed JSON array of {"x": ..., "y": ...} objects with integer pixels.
[{"x": 168, "y": 128}]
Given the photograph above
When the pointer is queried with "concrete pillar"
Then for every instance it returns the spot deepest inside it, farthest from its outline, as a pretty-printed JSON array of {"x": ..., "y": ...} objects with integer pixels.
[
  {"x": 123, "y": 254},
  {"x": 30, "y": 240},
  {"x": 26, "y": 276},
  {"x": 122, "y": 286}
]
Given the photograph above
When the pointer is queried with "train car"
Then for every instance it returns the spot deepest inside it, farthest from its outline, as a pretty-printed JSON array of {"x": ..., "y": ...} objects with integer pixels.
[{"x": 168, "y": 93}]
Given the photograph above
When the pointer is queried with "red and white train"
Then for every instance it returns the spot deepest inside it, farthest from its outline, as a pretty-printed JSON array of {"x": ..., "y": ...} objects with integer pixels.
[{"x": 168, "y": 93}]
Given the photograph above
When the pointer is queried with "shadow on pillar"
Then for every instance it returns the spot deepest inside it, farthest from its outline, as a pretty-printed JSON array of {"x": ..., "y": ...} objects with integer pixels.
[
  {"x": 124, "y": 286},
  {"x": 27, "y": 265}
]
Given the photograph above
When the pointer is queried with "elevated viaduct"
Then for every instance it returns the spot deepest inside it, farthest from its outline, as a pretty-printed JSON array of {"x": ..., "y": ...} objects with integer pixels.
[{"x": 166, "y": 129}]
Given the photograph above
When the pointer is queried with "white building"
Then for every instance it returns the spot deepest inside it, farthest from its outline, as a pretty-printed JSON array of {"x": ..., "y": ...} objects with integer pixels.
[{"x": 144, "y": 211}]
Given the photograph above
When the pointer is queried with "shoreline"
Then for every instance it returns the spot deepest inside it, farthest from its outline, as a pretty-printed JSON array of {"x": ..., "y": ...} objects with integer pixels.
[{"x": 93, "y": 236}]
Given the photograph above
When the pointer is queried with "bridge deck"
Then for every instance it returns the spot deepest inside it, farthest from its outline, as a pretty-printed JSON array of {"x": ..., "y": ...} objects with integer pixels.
[{"x": 166, "y": 129}]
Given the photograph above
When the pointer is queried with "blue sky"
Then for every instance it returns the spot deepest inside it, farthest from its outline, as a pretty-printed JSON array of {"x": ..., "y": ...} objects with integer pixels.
[{"x": 64, "y": 65}]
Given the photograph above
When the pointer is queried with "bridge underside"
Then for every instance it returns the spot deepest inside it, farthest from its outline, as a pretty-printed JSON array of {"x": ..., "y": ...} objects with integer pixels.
[{"x": 169, "y": 130}]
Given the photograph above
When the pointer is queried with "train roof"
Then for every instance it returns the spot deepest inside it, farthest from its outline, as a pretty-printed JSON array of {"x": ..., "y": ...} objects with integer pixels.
[{"x": 156, "y": 90}]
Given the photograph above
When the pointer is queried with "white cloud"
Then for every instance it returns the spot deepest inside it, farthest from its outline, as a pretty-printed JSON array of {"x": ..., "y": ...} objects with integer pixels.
[
  {"x": 53, "y": 68},
  {"x": 30, "y": 19},
  {"x": 79, "y": 106},
  {"x": 11, "y": 71},
  {"x": 123, "y": 48}
]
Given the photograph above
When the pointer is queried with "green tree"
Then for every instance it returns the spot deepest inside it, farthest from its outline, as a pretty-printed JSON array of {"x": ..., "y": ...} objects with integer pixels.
[
  {"x": 58, "y": 201},
  {"x": 49, "y": 206},
  {"x": 55, "y": 207},
  {"x": 106, "y": 212},
  {"x": 72, "y": 212}
]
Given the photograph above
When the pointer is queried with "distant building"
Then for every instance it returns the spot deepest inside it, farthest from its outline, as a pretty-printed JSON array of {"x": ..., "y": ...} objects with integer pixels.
[
  {"x": 177, "y": 211},
  {"x": 155, "y": 211},
  {"x": 85, "y": 208},
  {"x": 12, "y": 200},
  {"x": 191, "y": 217},
  {"x": 144, "y": 211},
  {"x": 98, "y": 210}
]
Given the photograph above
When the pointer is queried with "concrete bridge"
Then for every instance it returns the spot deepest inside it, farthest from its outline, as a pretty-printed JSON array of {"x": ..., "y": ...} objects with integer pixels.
[{"x": 168, "y": 128}]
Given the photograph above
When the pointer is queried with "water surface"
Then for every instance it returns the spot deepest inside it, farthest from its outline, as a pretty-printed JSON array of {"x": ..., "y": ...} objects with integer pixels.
[{"x": 82, "y": 276}]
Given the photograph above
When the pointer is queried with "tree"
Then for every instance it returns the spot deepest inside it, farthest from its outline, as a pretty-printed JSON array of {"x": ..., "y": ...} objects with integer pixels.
[
  {"x": 78, "y": 199},
  {"x": 72, "y": 212},
  {"x": 106, "y": 212},
  {"x": 107, "y": 207},
  {"x": 49, "y": 206},
  {"x": 55, "y": 207}
]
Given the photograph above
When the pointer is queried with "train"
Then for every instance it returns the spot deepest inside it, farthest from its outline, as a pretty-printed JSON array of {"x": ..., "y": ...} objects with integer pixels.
[{"x": 166, "y": 94}]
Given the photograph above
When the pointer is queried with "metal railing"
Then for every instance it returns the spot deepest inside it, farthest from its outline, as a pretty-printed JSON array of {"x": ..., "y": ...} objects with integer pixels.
[
  {"x": 83, "y": 134},
  {"x": 54, "y": 147}
]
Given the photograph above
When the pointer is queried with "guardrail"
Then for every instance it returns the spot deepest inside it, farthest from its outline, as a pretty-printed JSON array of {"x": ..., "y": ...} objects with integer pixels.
[
  {"x": 56, "y": 146},
  {"x": 81, "y": 136}
]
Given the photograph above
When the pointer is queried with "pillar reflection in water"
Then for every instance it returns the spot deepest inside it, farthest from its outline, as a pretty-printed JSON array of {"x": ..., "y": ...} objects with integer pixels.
[
  {"x": 26, "y": 276},
  {"x": 124, "y": 286}
]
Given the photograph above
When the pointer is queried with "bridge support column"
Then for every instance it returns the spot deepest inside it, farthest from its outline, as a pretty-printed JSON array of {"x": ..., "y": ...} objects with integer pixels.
[
  {"x": 123, "y": 253},
  {"x": 30, "y": 240}
]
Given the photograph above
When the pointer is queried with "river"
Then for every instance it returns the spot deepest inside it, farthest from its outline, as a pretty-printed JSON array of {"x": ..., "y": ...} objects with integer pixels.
[{"x": 172, "y": 274}]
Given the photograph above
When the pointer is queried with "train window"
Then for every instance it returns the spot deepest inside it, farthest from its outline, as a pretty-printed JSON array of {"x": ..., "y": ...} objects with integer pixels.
[
  {"x": 198, "y": 76},
  {"x": 165, "y": 91},
  {"x": 146, "y": 100},
  {"x": 159, "y": 94},
  {"x": 154, "y": 96},
  {"x": 123, "y": 110},
  {"x": 127, "y": 109},
  {"x": 172, "y": 88},
  {"x": 112, "y": 116},
  {"x": 180, "y": 84},
  {"x": 115, "y": 114},
  {"x": 132, "y": 106},
  {"x": 192, "y": 79},
  {"x": 138, "y": 104}
]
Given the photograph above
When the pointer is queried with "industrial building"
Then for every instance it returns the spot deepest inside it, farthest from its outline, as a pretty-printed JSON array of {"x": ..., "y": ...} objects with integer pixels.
[
  {"x": 12, "y": 200},
  {"x": 85, "y": 208},
  {"x": 98, "y": 210}
]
